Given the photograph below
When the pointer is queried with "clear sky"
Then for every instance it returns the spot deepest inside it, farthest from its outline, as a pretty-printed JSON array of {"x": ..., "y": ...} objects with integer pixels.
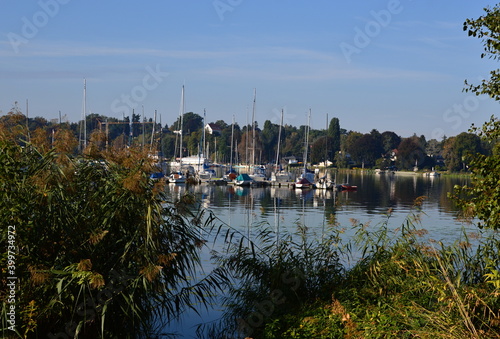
[{"x": 392, "y": 65}]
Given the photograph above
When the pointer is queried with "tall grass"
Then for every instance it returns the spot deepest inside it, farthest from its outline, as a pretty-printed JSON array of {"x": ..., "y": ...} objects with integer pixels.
[
  {"x": 274, "y": 275},
  {"x": 101, "y": 251}
]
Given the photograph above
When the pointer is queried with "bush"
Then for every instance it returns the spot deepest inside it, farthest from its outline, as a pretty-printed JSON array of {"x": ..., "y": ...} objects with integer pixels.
[{"x": 99, "y": 249}]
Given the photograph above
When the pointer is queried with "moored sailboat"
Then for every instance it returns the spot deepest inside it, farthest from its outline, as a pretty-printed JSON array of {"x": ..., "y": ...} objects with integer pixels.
[
  {"x": 177, "y": 177},
  {"x": 258, "y": 173},
  {"x": 231, "y": 174},
  {"x": 279, "y": 174},
  {"x": 306, "y": 179},
  {"x": 243, "y": 180}
]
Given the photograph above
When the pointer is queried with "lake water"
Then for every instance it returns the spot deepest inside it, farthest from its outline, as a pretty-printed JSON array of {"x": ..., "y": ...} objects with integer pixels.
[
  {"x": 376, "y": 194},
  {"x": 282, "y": 208}
]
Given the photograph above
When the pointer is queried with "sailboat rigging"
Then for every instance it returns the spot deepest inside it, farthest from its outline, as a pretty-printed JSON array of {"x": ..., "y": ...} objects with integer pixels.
[
  {"x": 280, "y": 175},
  {"x": 177, "y": 177},
  {"x": 306, "y": 179},
  {"x": 231, "y": 174},
  {"x": 203, "y": 174},
  {"x": 258, "y": 172}
]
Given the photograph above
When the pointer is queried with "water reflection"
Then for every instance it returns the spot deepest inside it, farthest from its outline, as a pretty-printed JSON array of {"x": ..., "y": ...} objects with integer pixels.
[{"x": 376, "y": 194}]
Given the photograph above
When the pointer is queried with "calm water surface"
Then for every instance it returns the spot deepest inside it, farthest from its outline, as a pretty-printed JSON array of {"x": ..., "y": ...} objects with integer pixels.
[
  {"x": 282, "y": 208},
  {"x": 377, "y": 194}
]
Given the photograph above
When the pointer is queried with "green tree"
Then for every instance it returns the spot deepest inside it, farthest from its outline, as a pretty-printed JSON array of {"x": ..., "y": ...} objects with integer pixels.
[
  {"x": 334, "y": 134},
  {"x": 486, "y": 27},
  {"x": 433, "y": 148},
  {"x": 269, "y": 137},
  {"x": 193, "y": 142},
  {"x": 459, "y": 151},
  {"x": 246, "y": 148},
  {"x": 390, "y": 141},
  {"x": 224, "y": 141},
  {"x": 37, "y": 122},
  {"x": 366, "y": 149},
  {"x": 191, "y": 122},
  {"x": 168, "y": 145},
  {"x": 294, "y": 144},
  {"x": 467, "y": 145},
  {"x": 320, "y": 150},
  {"x": 341, "y": 160},
  {"x": 222, "y": 124},
  {"x": 452, "y": 161},
  {"x": 136, "y": 126},
  {"x": 410, "y": 153},
  {"x": 350, "y": 144},
  {"x": 481, "y": 198}
]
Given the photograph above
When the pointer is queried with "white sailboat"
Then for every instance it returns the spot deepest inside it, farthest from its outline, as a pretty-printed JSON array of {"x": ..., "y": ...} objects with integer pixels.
[
  {"x": 177, "y": 177},
  {"x": 306, "y": 179},
  {"x": 432, "y": 173},
  {"x": 258, "y": 172},
  {"x": 202, "y": 173},
  {"x": 326, "y": 182},
  {"x": 231, "y": 174},
  {"x": 279, "y": 174}
]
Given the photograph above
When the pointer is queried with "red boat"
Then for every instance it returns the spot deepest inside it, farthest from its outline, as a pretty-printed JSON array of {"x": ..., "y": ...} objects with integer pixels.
[
  {"x": 303, "y": 183},
  {"x": 347, "y": 187}
]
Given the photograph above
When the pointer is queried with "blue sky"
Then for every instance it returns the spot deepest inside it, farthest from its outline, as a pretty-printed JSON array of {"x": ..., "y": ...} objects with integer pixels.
[{"x": 392, "y": 65}]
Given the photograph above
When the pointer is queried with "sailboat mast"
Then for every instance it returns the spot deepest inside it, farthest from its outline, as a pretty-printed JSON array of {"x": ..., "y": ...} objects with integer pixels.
[
  {"x": 160, "y": 155},
  {"x": 85, "y": 113},
  {"x": 247, "y": 141},
  {"x": 204, "y": 132},
  {"x": 253, "y": 126},
  {"x": 83, "y": 127},
  {"x": 182, "y": 123},
  {"x": 326, "y": 142},
  {"x": 152, "y": 133},
  {"x": 279, "y": 140},
  {"x": 202, "y": 151},
  {"x": 27, "y": 122},
  {"x": 143, "y": 128},
  {"x": 232, "y": 142},
  {"x": 307, "y": 139}
]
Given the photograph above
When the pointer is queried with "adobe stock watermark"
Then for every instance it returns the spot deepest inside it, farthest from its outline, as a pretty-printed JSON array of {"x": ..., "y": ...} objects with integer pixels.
[
  {"x": 458, "y": 113},
  {"x": 223, "y": 6},
  {"x": 363, "y": 37},
  {"x": 89, "y": 309},
  {"x": 265, "y": 308},
  {"x": 129, "y": 101},
  {"x": 11, "y": 276},
  {"x": 288, "y": 119},
  {"x": 31, "y": 26}
]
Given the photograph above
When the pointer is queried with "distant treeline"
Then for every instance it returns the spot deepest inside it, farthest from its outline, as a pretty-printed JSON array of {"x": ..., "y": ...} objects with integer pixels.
[{"x": 336, "y": 145}]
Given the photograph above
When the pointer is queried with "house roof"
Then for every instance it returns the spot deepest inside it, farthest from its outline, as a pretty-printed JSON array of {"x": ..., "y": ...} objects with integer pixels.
[{"x": 213, "y": 128}]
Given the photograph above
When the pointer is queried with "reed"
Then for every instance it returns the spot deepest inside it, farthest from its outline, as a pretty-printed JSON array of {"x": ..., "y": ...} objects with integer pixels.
[
  {"x": 272, "y": 276},
  {"x": 102, "y": 252}
]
